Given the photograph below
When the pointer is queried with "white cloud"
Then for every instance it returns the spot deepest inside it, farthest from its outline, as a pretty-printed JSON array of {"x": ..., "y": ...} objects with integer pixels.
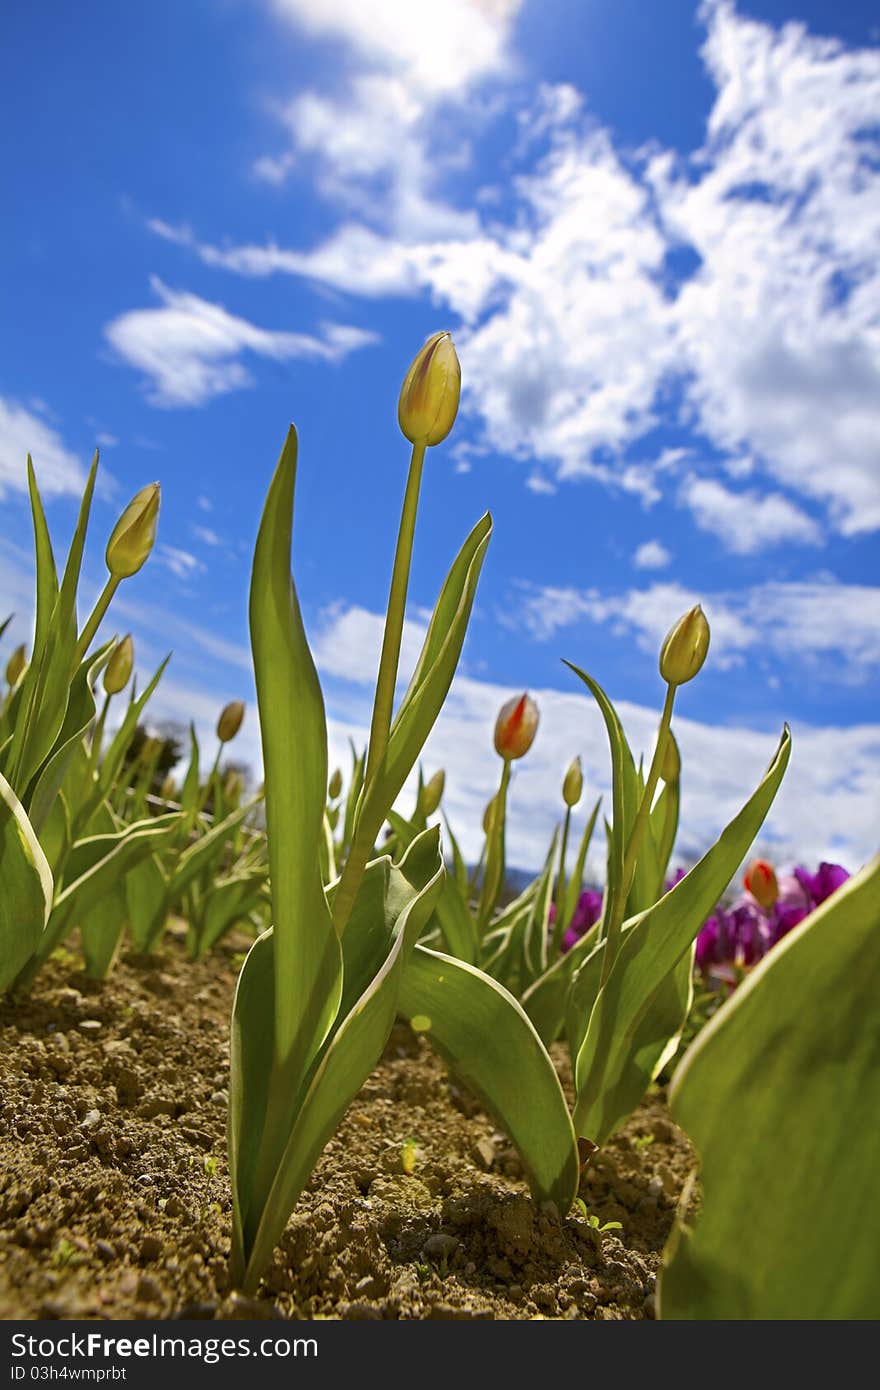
[
  {"x": 781, "y": 325},
  {"x": 24, "y": 432},
  {"x": 651, "y": 555},
  {"x": 190, "y": 349},
  {"x": 830, "y": 628},
  {"x": 206, "y": 535},
  {"x": 575, "y": 325},
  {"x": 746, "y": 522},
  {"x": 179, "y": 562},
  {"x": 435, "y": 48}
]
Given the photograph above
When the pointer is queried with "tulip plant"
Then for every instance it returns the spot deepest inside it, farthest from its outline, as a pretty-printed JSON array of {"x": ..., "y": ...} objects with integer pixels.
[
  {"x": 64, "y": 851},
  {"x": 353, "y": 930}
]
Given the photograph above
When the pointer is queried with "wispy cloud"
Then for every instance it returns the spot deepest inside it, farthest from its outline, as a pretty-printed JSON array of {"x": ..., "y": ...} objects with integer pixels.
[
  {"x": 833, "y": 628},
  {"x": 23, "y": 431},
  {"x": 190, "y": 350},
  {"x": 746, "y": 522},
  {"x": 651, "y": 555},
  {"x": 771, "y": 335}
]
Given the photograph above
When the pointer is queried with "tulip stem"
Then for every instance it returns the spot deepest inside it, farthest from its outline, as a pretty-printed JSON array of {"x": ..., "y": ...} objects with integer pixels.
[
  {"x": 94, "y": 621},
  {"x": 98, "y": 734},
  {"x": 386, "y": 682},
  {"x": 559, "y": 925},
  {"x": 493, "y": 876},
  {"x": 630, "y": 857}
]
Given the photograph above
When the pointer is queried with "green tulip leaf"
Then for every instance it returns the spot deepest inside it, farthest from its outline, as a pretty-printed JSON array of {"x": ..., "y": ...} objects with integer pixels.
[{"x": 780, "y": 1094}]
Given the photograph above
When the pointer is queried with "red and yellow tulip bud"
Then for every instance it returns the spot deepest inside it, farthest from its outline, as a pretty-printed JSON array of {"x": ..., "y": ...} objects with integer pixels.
[
  {"x": 430, "y": 393},
  {"x": 516, "y": 727},
  {"x": 684, "y": 650},
  {"x": 573, "y": 784},
  {"x": 119, "y": 666},
  {"x": 230, "y": 719},
  {"x": 432, "y": 793},
  {"x": 670, "y": 766},
  {"x": 16, "y": 665},
  {"x": 760, "y": 881},
  {"x": 134, "y": 534},
  {"x": 334, "y": 786}
]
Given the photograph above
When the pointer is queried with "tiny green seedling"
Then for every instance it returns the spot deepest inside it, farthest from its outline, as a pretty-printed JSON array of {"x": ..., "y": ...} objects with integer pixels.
[
  {"x": 592, "y": 1220},
  {"x": 643, "y": 1142},
  {"x": 409, "y": 1156}
]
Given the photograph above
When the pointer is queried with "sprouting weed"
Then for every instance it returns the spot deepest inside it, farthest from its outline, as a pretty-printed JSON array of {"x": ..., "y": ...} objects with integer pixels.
[
  {"x": 408, "y": 1156},
  {"x": 593, "y": 1221},
  {"x": 66, "y": 1253},
  {"x": 210, "y": 1166},
  {"x": 642, "y": 1142}
]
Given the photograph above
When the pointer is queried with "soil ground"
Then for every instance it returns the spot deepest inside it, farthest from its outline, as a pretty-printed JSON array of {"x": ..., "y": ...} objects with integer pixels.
[{"x": 114, "y": 1199}]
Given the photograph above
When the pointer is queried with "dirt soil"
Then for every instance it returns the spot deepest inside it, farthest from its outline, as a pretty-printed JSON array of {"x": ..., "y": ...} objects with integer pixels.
[{"x": 114, "y": 1199}]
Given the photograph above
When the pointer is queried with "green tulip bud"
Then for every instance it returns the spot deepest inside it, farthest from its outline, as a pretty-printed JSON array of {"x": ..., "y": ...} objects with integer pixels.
[
  {"x": 168, "y": 791},
  {"x": 16, "y": 665},
  {"x": 573, "y": 786},
  {"x": 432, "y": 793},
  {"x": 487, "y": 816},
  {"x": 335, "y": 785},
  {"x": 684, "y": 650},
  {"x": 230, "y": 719},
  {"x": 431, "y": 388},
  {"x": 670, "y": 767},
  {"x": 134, "y": 534},
  {"x": 118, "y": 668}
]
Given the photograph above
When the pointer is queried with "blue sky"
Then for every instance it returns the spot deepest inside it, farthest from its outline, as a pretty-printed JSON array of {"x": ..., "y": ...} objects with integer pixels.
[{"x": 653, "y": 230}]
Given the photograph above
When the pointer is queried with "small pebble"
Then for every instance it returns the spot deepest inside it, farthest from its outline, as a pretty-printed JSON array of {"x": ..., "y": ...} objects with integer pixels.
[
  {"x": 91, "y": 1026},
  {"x": 439, "y": 1246}
]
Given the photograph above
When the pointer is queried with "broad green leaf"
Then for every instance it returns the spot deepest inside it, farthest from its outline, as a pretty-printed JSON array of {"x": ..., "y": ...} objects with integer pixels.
[
  {"x": 431, "y": 679},
  {"x": 545, "y": 1000},
  {"x": 101, "y": 931},
  {"x": 146, "y": 900},
  {"x": 575, "y": 884},
  {"x": 202, "y": 856},
  {"x": 78, "y": 716},
  {"x": 46, "y": 574},
  {"x": 624, "y": 783},
  {"x": 113, "y": 759},
  {"x": 94, "y": 866},
  {"x": 229, "y": 901},
  {"x": 537, "y": 930},
  {"x": 26, "y": 882},
  {"x": 490, "y": 1044},
  {"x": 459, "y": 867},
  {"x": 780, "y": 1094},
  {"x": 46, "y": 683},
  {"x": 294, "y": 735},
  {"x": 189, "y": 795},
  {"x": 452, "y": 914},
  {"x": 608, "y": 1078},
  {"x": 342, "y": 1065},
  {"x": 664, "y": 828}
]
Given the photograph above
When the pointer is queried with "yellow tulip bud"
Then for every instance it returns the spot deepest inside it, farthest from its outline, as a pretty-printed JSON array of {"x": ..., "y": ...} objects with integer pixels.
[
  {"x": 670, "y": 766},
  {"x": 119, "y": 666},
  {"x": 134, "y": 534},
  {"x": 431, "y": 388},
  {"x": 516, "y": 727},
  {"x": 573, "y": 786},
  {"x": 16, "y": 665},
  {"x": 335, "y": 786},
  {"x": 230, "y": 719},
  {"x": 684, "y": 650},
  {"x": 432, "y": 793}
]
